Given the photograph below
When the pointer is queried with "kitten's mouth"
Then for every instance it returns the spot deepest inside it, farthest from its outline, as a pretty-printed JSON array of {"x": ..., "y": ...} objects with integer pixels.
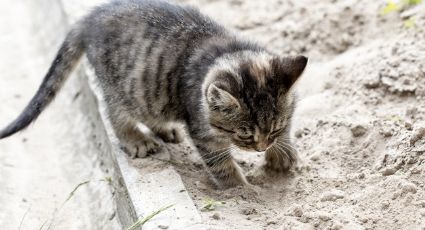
[
  {"x": 243, "y": 148},
  {"x": 253, "y": 150}
]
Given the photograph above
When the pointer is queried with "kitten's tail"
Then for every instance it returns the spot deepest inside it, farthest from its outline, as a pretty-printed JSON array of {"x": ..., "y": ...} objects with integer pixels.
[{"x": 66, "y": 58}]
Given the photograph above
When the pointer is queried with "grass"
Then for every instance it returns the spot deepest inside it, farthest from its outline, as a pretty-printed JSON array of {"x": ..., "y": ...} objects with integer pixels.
[
  {"x": 23, "y": 217},
  {"x": 390, "y": 7},
  {"x": 70, "y": 195},
  {"x": 142, "y": 221},
  {"x": 395, "y": 6},
  {"x": 134, "y": 226},
  {"x": 409, "y": 23}
]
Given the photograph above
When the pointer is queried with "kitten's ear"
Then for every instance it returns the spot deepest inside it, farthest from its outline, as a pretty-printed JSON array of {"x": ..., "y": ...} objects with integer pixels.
[
  {"x": 293, "y": 67},
  {"x": 220, "y": 98}
]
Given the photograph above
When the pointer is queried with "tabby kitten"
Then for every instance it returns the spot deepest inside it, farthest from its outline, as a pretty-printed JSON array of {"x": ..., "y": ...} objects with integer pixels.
[{"x": 160, "y": 63}]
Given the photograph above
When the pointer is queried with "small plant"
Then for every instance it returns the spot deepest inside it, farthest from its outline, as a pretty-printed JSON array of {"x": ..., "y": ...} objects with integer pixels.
[
  {"x": 412, "y": 2},
  {"x": 107, "y": 179},
  {"x": 142, "y": 221},
  {"x": 409, "y": 23},
  {"x": 395, "y": 6},
  {"x": 390, "y": 7},
  {"x": 211, "y": 205}
]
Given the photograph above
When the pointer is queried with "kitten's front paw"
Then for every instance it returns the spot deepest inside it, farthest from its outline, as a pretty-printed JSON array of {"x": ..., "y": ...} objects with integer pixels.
[
  {"x": 231, "y": 182},
  {"x": 141, "y": 148},
  {"x": 170, "y": 135},
  {"x": 229, "y": 175},
  {"x": 279, "y": 160}
]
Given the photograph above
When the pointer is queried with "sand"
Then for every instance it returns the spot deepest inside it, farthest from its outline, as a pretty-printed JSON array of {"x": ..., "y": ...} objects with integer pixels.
[{"x": 359, "y": 125}]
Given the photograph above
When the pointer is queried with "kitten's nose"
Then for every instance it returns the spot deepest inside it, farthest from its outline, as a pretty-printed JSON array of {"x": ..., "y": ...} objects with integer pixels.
[{"x": 261, "y": 147}]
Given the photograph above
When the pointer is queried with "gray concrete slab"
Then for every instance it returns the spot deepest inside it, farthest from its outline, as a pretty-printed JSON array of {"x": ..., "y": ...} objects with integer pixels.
[{"x": 72, "y": 141}]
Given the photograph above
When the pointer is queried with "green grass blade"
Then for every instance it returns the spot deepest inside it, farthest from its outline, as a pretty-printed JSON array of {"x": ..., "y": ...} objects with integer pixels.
[{"x": 142, "y": 221}]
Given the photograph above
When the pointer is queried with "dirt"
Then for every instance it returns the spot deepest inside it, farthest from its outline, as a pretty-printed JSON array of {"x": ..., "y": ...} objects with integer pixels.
[{"x": 359, "y": 124}]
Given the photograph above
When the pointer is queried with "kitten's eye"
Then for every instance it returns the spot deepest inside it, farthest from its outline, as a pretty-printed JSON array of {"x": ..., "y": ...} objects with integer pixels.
[
  {"x": 248, "y": 137},
  {"x": 277, "y": 131},
  {"x": 222, "y": 129}
]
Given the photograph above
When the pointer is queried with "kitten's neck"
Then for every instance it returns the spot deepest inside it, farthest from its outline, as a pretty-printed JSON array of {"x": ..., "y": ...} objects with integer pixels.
[{"x": 207, "y": 54}]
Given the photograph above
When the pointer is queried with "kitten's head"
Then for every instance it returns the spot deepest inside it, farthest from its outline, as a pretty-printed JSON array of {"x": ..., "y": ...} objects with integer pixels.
[{"x": 248, "y": 97}]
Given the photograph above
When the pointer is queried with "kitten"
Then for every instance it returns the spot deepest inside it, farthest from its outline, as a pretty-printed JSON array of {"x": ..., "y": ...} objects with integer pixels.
[{"x": 160, "y": 63}]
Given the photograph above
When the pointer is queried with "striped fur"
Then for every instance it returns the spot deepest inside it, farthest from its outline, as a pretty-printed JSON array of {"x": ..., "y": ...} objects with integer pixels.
[{"x": 160, "y": 63}]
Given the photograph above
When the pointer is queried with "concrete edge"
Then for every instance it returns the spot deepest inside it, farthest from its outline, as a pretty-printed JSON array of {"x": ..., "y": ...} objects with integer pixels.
[{"x": 139, "y": 195}]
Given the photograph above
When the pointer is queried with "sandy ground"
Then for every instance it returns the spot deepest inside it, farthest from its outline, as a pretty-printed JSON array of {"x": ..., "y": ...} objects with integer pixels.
[
  {"x": 359, "y": 125},
  {"x": 41, "y": 166}
]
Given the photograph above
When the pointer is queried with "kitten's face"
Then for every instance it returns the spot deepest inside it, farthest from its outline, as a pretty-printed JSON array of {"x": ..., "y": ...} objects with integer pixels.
[{"x": 251, "y": 105}]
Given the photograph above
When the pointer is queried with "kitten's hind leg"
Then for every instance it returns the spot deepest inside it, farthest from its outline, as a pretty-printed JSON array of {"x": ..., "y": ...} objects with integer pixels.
[{"x": 133, "y": 141}]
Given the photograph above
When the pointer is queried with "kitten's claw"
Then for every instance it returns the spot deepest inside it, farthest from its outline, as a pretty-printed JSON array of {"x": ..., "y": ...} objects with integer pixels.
[
  {"x": 230, "y": 175},
  {"x": 170, "y": 135},
  {"x": 232, "y": 182},
  {"x": 280, "y": 161},
  {"x": 279, "y": 166},
  {"x": 141, "y": 148}
]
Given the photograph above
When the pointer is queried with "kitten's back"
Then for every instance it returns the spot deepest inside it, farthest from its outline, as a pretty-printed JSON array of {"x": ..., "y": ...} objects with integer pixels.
[{"x": 145, "y": 43}]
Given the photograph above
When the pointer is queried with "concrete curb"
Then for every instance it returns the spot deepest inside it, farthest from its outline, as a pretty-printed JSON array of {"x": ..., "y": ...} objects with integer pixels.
[
  {"x": 137, "y": 193},
  {"x": 140, "y": 194}
]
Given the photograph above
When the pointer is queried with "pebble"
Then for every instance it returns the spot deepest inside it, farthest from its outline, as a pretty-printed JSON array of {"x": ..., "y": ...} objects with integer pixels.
[
  {"x": 315, "y": 157},
  {"x": 332, "y": 195},
  {"x": 324, "y": 216},
  {"x": 386, "y": 132},
  {"x": 336, "y": 226},
  {"x": 163, "y": 226},
  {"x": 271, "y": 222},
  {"x": 216, "y": 216},
  {"x": 388, "y": 171},
  {"x": 371, "y": 84},
  {"x": 328, "y": 85},
  {"x": 299, "y": 133},
  {"x": 408, "y": 125},
  {"x": 418, "y": 134},
  {"x": 112, "y": 216},
  {"x": 408, "y": 187},
  {"x": 304, "y": 219},
  {"x": 298, "y": 212},
  {"x": 364, "y": 220},
  {"x": 385, "y": 204},
  {"x": 249, "y": 211},
  {"x": 411, "y": 160},
  {"x": 358, "y": 130}
]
